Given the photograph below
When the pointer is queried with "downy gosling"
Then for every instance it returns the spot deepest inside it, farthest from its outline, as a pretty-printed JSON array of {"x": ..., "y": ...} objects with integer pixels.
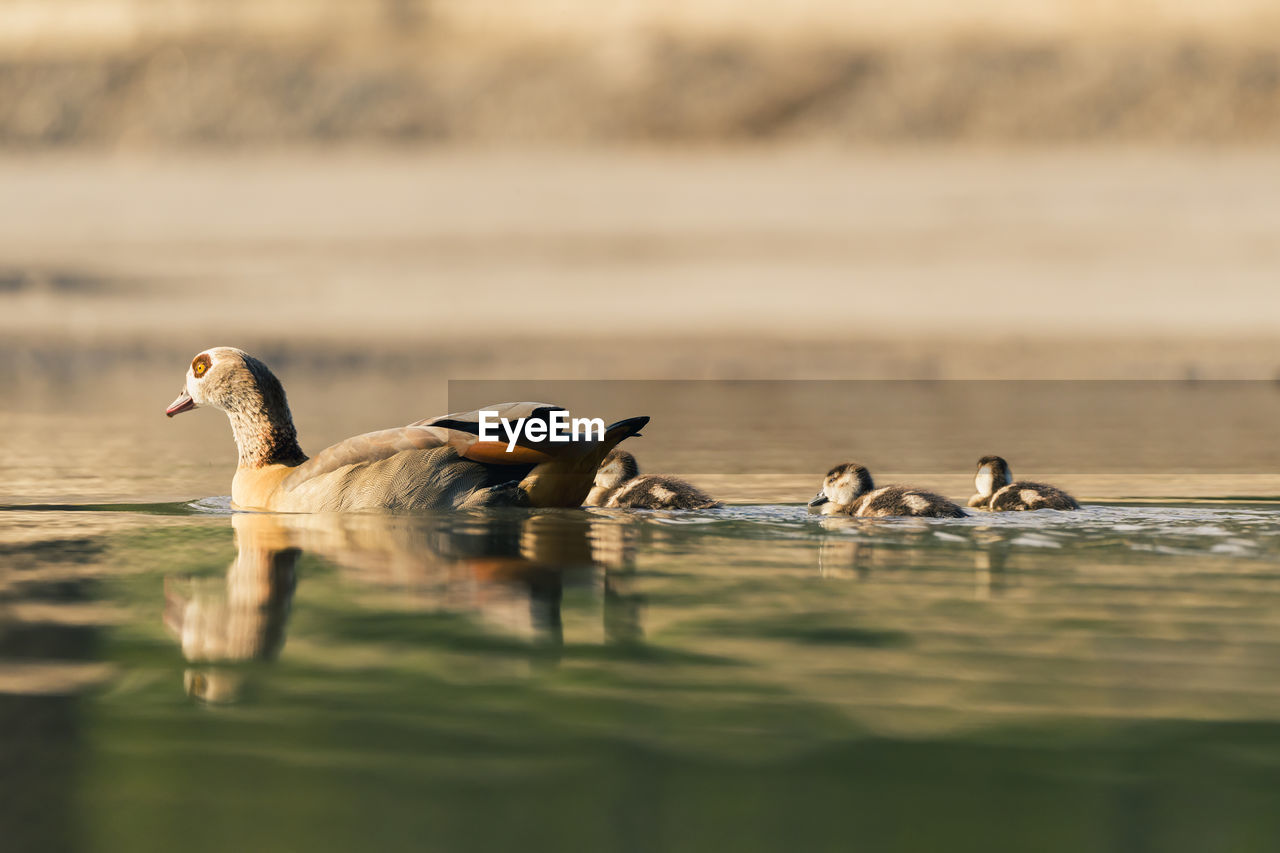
[
  {"x": 997, "y": 491},
  {"x": 619, "y": 484},
  {"x": 849, "y": 490}
]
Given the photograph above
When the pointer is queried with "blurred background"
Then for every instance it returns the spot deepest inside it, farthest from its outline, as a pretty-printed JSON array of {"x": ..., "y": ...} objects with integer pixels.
[
  {"x": 377, "y": 196},
  {"x": 890, "y": 189},
  {"x": 385, "y": 199}
]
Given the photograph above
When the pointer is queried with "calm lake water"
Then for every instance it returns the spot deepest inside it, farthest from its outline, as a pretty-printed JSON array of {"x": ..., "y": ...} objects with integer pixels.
[{"x": 178, "y": 676}]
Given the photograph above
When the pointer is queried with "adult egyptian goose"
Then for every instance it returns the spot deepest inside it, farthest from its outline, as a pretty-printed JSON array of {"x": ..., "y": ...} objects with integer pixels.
[
  {"x": 619, "y": 484},
  {"x": 438, "y": 463},
  {"x": 849, "y": 490},
  {"x": 999, "y": 493}
]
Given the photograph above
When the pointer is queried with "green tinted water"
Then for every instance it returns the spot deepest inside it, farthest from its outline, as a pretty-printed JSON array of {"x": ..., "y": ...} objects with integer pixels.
[{"x": 180, "y": 677}]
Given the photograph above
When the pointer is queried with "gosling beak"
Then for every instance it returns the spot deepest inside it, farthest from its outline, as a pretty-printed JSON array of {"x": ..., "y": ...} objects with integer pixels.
[
  {"x": 819, "y": 499},
  {"x": 184, "y": 403}
]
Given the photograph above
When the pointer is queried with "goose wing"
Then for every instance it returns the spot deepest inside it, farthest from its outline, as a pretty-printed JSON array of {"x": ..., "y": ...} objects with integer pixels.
[
  {"x": 367, "y": 448},
  {"x": 469, "y": 422},
  {"x": 460, "y": 430},
  {"x": 510, "y": 411},
  {"x": 470, "y": 445}
]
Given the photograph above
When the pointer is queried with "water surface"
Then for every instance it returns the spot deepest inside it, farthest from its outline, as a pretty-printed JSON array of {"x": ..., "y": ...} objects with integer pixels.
[{"x": 177, "y": 675}]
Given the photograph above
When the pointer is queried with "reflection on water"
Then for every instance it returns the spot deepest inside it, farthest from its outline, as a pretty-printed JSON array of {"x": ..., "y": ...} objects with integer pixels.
[
  {"x": 1020, "y": 603},
  {"x": 852, "y": 552},
  {"x": 505, "y": 569},
  {"x": 750, "y": 676},
  {"x": 240, "y": 618}
]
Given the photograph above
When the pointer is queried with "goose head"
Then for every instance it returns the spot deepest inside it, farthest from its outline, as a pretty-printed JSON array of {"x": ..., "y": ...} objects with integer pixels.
[
  {"x": 843, "y": 485},
  {"x": 242, "y": 386},
  {"x": 993, "y": 473},
  {"x": 228, "y": 379}
]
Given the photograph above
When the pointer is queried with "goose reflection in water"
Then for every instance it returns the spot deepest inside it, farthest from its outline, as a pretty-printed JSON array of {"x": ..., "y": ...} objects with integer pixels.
[
  {"x": 845, "y": 553},
  {"x": 507, "y": 568}
]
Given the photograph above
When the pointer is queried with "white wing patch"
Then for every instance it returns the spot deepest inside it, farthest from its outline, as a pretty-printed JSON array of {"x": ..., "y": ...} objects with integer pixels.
[
  {"x": 1029, "y": 496},
  {"x": 662, "y": 493},
  {"x": 915, "y": 502}
]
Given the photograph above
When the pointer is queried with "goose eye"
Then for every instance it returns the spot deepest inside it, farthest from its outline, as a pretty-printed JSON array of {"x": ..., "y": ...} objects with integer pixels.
[{"x": 200, "y": 366}]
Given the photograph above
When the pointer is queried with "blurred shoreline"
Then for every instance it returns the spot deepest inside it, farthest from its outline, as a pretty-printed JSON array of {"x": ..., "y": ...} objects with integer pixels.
[
  {"x": 233, "y": 92},
  {"x": 191, "y": 74}
]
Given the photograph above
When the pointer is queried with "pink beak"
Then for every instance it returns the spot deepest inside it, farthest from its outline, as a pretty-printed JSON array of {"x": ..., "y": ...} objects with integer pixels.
[{"x": 184, "y": 403}]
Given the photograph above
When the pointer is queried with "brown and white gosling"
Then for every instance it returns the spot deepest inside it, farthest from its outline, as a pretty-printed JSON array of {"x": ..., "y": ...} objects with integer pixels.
[
  {"x": 849, "y": 490},
  {"x": 438, "y": 463},
  {"x": 998, "y": 492},
  {"x": 619, "y": 484}
]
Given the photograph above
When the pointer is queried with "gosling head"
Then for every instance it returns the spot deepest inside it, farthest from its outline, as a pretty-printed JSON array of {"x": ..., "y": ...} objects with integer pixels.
[
  {"x": 993, "y": 473},
  {"x": 843, "y": 485},
  {"x": 237, "y": 383},
  {"x": 617, "y": 468}
]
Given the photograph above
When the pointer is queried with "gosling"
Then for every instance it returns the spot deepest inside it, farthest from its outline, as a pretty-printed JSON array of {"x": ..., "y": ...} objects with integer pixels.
[
  {"x": 620, "y": 485},
  {"x": 997, "y": 491},
  {"x": 849, "y": 490}
]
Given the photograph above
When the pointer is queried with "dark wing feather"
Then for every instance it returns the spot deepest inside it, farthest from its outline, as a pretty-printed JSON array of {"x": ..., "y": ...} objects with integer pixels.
[{"x": 470, "y": 421}]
